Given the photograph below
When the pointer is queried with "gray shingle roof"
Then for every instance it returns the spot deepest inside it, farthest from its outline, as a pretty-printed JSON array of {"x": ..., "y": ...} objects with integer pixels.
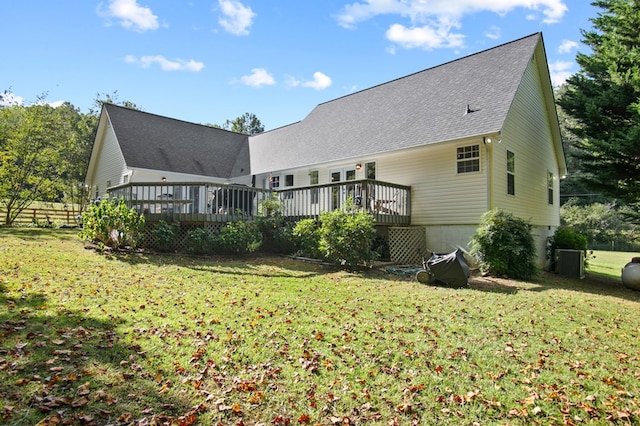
[
  {"x": 422, "y": 108},
  {"x": 154, "y": 142}
]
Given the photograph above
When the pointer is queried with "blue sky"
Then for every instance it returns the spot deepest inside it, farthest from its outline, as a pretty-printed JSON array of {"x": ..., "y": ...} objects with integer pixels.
[{"x": 207, "y": 61}]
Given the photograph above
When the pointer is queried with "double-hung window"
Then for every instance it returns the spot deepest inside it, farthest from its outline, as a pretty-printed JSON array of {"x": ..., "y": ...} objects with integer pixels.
[
  {"x": 314, "y": 180},
  {"x": 511, "y": 173},
  {"x": 549, "y": 187},
  {"x": 288, "y": 182},
  {"x": 468, "y": 159},
  {"x": 274, "y": 182}
]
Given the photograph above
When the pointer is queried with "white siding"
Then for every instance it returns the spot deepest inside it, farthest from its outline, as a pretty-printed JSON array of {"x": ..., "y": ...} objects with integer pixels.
[
  {"x": 527, "y": 133},
  {"x": 111, "y": 166},
  {"x": 438, "y": 194}
]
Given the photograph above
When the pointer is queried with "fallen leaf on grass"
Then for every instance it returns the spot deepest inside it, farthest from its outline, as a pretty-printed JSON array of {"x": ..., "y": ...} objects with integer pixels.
[
  {"x": 304, "y": 419},
  {"x": 125, "y": 417},
  {"x": 80, "y": 402},
  {"x": 50, "y": 421}
]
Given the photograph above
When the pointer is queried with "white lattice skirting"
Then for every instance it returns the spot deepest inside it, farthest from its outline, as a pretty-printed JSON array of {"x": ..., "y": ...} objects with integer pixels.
[{"x": 407, "y": 245}]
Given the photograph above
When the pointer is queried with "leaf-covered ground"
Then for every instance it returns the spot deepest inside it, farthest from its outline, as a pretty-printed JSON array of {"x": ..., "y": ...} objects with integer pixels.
[{"x": 93, "y": 339}]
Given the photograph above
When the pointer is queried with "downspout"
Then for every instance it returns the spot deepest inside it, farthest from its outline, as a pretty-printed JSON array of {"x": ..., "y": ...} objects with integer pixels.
[{"x": 487, "y": 144}]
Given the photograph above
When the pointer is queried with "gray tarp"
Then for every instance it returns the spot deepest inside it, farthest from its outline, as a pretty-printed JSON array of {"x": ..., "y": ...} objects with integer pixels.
[{"x": 450, "y": 268}]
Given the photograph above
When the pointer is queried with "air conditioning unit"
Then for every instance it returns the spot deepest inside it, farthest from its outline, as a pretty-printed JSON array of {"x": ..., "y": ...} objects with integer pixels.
[{"x": 570, "y": 263}]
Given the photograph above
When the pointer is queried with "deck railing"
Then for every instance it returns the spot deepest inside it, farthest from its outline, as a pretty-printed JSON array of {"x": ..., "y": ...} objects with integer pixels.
[
  {"x": 388, "y": 202},
  {"x": 211, "y": 202}
]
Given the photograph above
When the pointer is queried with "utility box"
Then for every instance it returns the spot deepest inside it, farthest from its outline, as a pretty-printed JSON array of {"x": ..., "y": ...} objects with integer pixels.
[{"x": 570, "y": 263}]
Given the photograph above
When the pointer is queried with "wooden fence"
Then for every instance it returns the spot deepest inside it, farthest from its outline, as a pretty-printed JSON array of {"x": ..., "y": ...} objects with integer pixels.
[{"x": 44, "y": 216}]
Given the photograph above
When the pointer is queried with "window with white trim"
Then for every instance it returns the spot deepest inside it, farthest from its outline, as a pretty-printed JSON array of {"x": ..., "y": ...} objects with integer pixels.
[
  {"x": 370, "y": 170},
  {"x": 274, "y": 182},
  {"x": 468, "y": 159},
  {"x": 550, "y": 187},
  {"x": 511, "y": 173},
  {"x": 314, "y": 179}
]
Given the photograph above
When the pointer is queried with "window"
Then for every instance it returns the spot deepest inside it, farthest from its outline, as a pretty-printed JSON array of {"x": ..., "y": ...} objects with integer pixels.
[
  {"x": 468, "y": 159},
  {"x": 125, "y": 178},
  {"x": 314, "y": 180},
  {"x": 288, "y": 180},
  {"x": 109, "y": 184},
  {"x": 370, "y": 170},
  {"x": 350, "y": 174},
  {"x": 274, "y": 182},
  {"x": 313, "y": 177},
  {"x": 549, "y": 187},
  {"x": 511, "y": 173}
]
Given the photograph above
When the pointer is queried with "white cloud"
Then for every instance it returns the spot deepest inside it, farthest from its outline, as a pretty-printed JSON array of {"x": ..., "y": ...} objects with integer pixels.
[
  {"x": 131, "y": 15},
  {"x": 8, "y": 99},
  {"x": 560, "y": 71},
  {"x": 56, "y": 104},
  {"x": 431, "y": 23},
  {"x": 237, "y": 18},
  {"x": 320, "y": 81},
  {"x": 165, "y": 64},
  {"x": 567, "y": 46},
  {"x": 258, "y": 77},
  {"x": 425, "y": 37}
]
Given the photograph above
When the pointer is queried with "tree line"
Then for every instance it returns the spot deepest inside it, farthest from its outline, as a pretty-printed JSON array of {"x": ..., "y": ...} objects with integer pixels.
[{"x": 599, "y": 113}]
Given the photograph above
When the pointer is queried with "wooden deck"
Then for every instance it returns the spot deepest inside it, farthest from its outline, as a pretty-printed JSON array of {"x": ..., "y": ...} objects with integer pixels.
[{"x": 198, "y": 202}]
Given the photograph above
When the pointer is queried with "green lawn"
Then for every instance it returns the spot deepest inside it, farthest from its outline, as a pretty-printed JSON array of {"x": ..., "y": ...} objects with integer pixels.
[
  {"x": 92, "y": 339},
  {"x": 609, "y": 263}
]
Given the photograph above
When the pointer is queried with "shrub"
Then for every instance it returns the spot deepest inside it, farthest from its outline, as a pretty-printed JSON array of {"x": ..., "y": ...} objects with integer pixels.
[
  {"x": 276, "y": 233},
  {"x": 238, "y": 238},
  {"x": 346, "y": 238},
  {"x": 306, "y": 238},
  {"x": 271, "y": 206},
  {"x": 381, "y": 247},
  {"x": 504, "y": 245},
  {"x": 199, "y": 241},
  {"x": 111, "y": 223},
  {"x": 165, "y": 235},
  {"x": 566, "y": 237}
]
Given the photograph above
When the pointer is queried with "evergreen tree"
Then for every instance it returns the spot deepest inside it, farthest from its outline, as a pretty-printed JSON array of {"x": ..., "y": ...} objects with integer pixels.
[{"x": 604, "y": 100}]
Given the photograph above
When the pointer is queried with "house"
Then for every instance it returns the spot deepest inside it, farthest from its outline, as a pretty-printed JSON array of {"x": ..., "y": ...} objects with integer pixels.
[{"x": 428, "y": 153}]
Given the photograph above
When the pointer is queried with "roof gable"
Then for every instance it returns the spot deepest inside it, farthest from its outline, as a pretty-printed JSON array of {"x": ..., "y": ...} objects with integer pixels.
[
  {"x": 150, "y": 141},
  {"x": 426, "y": 107}
]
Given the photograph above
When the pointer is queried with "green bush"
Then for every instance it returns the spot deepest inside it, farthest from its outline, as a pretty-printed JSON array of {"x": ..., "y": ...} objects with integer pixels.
[
  {"x": 306, "y": 238},
  {"x": 271, "y": 206},
  {"x": 504, "y": 245},
  {"x": 111, "y": 223},
  {"x": 276, "y": 234},
  {"x": 238, "y": 238},
  {"x": 381, "y": 247},
  {"x": 165, "y": 235},
  {"x": 199, "y": 241},
  {"x": 566, "y": 237},
  {"x": 346, "y": 238}
]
